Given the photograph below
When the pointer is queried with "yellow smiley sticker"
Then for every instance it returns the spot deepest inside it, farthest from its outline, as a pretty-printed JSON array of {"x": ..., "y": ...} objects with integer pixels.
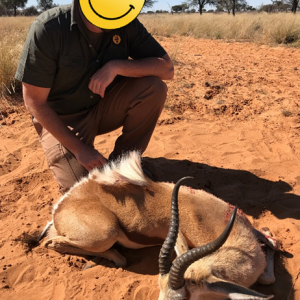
[{"x": 111, "y": 14}]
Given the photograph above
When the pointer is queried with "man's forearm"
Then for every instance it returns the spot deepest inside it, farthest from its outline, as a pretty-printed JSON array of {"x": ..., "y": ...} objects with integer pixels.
[
  {"x": 161, "y": 67},
  {"x": 151, "y": 66},
  {"x": 51, "y": 122}
]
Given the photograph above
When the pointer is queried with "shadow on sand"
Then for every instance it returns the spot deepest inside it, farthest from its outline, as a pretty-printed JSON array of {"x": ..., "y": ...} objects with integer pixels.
[{"x": 242, "y": 188}]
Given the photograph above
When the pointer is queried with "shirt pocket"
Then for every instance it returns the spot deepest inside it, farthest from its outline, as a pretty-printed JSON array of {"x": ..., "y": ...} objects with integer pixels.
[
  {"x": 70, "y": 62},
  {"x": 71, "y": 72},
  {"x": 115, "y": 52}
]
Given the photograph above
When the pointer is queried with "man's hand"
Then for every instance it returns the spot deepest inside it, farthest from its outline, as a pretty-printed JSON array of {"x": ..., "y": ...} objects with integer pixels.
[
  {"x": 90, "y": 158},
  {"x": 102, "y": 79}
]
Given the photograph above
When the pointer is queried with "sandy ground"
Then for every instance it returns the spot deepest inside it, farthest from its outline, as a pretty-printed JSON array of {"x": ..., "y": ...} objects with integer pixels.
[{"x": 232, "y": 121}]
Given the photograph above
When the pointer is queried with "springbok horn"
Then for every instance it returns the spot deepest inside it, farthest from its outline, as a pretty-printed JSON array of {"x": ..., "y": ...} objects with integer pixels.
[
  {"x": 180, "y": 265},
  {"x": 165, "y": 255}
]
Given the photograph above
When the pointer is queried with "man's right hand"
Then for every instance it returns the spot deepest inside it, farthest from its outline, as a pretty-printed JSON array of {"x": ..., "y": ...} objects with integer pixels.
[{"x": 90, "y": 158}]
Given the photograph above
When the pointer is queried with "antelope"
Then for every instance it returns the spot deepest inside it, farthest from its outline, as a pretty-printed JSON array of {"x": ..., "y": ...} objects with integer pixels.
[{"x": 118, "y": 204}]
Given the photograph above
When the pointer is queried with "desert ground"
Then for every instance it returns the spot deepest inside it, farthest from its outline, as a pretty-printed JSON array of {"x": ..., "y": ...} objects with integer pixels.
[{"x": 231, "y": 121}]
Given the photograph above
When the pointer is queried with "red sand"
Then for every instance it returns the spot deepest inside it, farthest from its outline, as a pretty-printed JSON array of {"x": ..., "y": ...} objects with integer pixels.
[{"x": 232, "y": 121}]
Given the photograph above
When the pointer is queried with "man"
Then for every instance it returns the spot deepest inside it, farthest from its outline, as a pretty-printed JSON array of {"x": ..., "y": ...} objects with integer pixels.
[{"x": 79, "y": 83}]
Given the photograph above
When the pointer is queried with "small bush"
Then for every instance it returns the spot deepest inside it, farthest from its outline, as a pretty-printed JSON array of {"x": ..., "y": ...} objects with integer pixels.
[{"x": 286, "y": 113}]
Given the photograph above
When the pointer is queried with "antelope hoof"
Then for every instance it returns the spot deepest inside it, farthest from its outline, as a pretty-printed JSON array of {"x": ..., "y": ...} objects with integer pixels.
[
  {"x": 120, "y": 262},
  {"x": 89, "y": 265}
]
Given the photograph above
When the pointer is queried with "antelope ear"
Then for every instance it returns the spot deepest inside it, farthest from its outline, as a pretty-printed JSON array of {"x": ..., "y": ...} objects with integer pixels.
[
  {"x": 181, "y": 244},
  {"x": 235, "y": 292}
]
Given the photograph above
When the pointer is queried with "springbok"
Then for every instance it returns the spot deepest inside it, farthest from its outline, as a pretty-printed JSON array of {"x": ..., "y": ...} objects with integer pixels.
[{"x": 118, "y": 204}]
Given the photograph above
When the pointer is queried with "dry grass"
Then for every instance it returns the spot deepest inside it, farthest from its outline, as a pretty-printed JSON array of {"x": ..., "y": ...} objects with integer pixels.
[
  {"x": 12, "y": 38},
  {"x": 283, "y": 28}
]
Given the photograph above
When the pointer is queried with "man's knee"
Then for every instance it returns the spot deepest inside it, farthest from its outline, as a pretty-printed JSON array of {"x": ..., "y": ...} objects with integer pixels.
[
  {"x": 158, "y": 85},
  {"x": 65, "y": 168},
  {"x": 158, "y": 90}
]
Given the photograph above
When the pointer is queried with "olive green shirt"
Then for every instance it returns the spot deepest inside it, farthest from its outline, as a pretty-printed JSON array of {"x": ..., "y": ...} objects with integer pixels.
[{"x": 58, "y": 55}]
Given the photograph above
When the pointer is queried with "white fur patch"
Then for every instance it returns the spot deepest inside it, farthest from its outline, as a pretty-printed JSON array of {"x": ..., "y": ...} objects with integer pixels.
[{"x": 126, "y": 170}]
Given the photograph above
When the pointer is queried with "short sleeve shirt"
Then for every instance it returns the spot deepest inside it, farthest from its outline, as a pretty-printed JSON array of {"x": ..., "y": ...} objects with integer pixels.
[{"x": 59, "y": 56}]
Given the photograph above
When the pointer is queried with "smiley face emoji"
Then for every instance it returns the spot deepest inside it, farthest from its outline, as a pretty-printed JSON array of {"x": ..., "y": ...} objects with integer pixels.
[{"x": 111, "y": 14}]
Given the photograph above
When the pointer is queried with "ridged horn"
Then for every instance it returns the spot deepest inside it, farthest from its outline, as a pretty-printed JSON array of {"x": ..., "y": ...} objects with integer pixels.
[
  {"x": 165, "y": 255},
  {"x": 180, "y": 265}
]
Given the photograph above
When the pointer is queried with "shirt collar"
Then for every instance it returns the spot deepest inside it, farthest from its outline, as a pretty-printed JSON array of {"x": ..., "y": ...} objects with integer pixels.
[{"x": 74, "y": 13}]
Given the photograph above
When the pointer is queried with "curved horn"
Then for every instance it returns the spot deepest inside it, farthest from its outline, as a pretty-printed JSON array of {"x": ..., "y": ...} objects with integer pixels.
[
  {"x": 180, "y": 265},
  {"x": 165, "y": 255}
]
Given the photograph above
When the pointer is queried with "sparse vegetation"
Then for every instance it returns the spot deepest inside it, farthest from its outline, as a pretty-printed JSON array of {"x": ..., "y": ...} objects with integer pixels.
[
  {"x": 280, "y": 28},
  {"x": 286, "y": 113},
  {"x": 12, "y": 38}
]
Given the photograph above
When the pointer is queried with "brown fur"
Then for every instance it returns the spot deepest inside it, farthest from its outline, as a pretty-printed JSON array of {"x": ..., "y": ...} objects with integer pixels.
[{"x": 94, "y": 215}]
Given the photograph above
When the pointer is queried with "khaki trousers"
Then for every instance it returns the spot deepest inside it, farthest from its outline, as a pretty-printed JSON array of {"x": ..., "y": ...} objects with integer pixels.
[{"x": 133, "y": 103}]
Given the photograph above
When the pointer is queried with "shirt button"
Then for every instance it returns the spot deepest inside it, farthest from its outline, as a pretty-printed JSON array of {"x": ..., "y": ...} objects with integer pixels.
[
  {"x": 90, "y": 45},
  {"x": 91, "y": 96},
  {"x": 97, "y": 60}
]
